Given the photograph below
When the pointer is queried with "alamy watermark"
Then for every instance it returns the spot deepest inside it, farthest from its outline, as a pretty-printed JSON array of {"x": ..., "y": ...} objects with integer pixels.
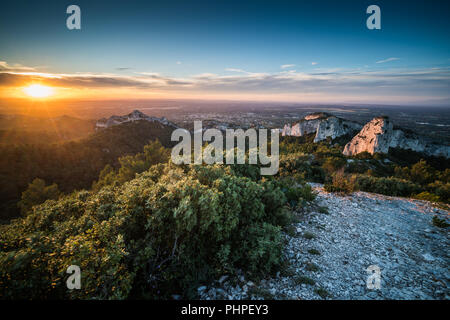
[
  {"x": 374, "y": 20},
  {"x": 74, "y": 280},
  {"x": 74, "y": 20},
  {"x": 214, "y": 152},
  {"x": 374, "y": 278}
]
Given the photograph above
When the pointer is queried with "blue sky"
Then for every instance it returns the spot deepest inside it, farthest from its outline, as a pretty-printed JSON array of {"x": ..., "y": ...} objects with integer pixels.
[{"x": 290, "y": 49}]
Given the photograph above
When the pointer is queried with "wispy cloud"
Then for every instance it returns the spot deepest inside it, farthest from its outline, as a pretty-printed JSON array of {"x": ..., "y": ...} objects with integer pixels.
[
  {"x": 4, "y": 66},
  {"x": 235, "y": 70},
  {"x": 287, "y": 66},
  {"x": 178, "y": 62},
  {"x": 388, "y": 60},
  {"x": 427, "y": 82},
  {"x": 314, "y": 63}
]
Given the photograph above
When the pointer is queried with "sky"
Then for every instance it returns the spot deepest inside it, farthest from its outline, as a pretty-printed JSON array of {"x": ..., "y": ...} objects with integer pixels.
[{"x": 300, "y": 51}]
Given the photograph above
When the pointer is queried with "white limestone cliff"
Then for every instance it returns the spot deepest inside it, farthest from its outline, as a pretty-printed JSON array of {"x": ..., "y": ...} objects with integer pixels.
[
  {"x": 323, "y": 125},
  {"x": 334, "y": 127},
  {"x": 378, "y": 135}
]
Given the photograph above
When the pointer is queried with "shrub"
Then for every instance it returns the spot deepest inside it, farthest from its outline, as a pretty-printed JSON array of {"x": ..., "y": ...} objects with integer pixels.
[
  {"x": 333, "y": 164},
  {"x": 161, "y": 233},
  {"x": 323, "y": 293},
  {"x": 153, "y": 153},
  {"x": 441, "y": 189},
  {"x": 388, "y": 186},
  {"x": 440, "y": 223},
  {"x": 297, "y": 193},
  {"x": 427, "y": 196},
  {"x": 309, "y": 235},
  {"x": 323, "y": 210},
  {"x": 37, "y": 193},
  {"x": 304, "y": 280},
  {"x": 311, "y": 266},
  {"x": 314, "y": 251},
  {"x": 341, "y": 183}
]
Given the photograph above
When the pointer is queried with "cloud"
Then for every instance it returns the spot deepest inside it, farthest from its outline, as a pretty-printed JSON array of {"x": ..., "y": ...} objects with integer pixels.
[
  {"x": 286, "y": 66},
  {"x": 178, "y": 62},
  {"x": 428, "y": 82},
  {"x": 123, "y": 68},
  {"x": 235, "y": 70},
  {"x": 314, "y": 63},
  {"x": 388, "y": 60},
  {"x": 4, "y": 66}
]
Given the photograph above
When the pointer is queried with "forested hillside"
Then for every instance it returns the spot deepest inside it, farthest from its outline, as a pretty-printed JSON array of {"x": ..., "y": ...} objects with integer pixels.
[
  {"x": 21, "y": 129},
  {"x": 71, "y": 165}
]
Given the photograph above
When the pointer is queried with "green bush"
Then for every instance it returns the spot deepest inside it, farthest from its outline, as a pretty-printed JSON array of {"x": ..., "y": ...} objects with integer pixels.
[
  {"x": 297, "y": 192},
  {"x": 163, "y": 232},
  {"x": 427, "y": 196},
  {"x": 388, "y": 186},
  {"x": 153, "y": 153},
  {"x": 37, "y": 193},
  {"x": 440, "y": 223},
  {"x": 441, "y": 189}
]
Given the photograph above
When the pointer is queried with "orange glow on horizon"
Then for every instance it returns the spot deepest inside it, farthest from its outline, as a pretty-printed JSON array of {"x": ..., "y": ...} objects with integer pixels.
[{"x": 38, "y": 91}]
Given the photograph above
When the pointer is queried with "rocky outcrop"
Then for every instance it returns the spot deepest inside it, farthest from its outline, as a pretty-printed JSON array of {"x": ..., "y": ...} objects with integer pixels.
[
  {"x": 379, "y": 135},
  {"x": 323, "y": 125},
  {"x": 136, "y": 115},
  {"x": 335, "y": 127}
]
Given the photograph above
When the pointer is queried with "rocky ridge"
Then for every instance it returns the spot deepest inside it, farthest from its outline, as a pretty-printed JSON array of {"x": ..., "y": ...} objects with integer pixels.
[
  {"x": 323, "y": 125},
  {"x": 379, "y": 135},
  {"x": 329, "y": 253},
  {"x": 136, "y": 115}
]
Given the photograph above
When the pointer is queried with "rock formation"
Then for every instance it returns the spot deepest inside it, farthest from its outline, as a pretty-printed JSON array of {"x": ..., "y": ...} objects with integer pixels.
[
  {"x": 323, "y": 125},
  {"x": 379, "y": 135},
  {"x": 136, "y": 115}
]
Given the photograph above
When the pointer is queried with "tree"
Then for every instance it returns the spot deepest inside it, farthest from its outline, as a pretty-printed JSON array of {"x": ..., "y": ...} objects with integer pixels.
[
  {"x": 37, "y": 193},
  {"x": 131, "y": 165},
  {"x": 422, "y": 173}
]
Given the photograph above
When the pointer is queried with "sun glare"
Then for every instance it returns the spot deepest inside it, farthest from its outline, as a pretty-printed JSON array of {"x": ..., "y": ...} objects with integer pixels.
[{"x": 38, "y": 91}]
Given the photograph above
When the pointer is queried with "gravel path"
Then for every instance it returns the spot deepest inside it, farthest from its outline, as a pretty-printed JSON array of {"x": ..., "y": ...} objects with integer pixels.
[{"x": 329, "y": 253}]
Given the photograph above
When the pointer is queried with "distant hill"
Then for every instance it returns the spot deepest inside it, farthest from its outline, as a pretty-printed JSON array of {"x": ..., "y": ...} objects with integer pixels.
[
  {"x": 136, "y": 115},
  {"x": 35, "y": 130}
]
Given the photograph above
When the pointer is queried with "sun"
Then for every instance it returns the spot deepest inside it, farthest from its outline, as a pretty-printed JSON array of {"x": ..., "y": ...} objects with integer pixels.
[{"x": 38, "y": 91}]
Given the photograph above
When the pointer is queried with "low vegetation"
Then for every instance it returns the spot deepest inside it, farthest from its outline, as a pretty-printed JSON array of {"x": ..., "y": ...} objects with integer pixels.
[
  {"x": 72, "y": 165},
  {"x": 304, "y": 280},
  {"x": 440, "y": 223},
  {"x": 140, "y": 227},
  {"x": 399, "y": 173},
  {"x": 323, "y": 293},
  {"x": 148, "y": 229}
]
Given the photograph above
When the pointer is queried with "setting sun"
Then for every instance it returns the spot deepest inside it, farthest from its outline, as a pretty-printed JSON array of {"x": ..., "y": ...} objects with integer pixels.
[{"x": 38, "y": 91}]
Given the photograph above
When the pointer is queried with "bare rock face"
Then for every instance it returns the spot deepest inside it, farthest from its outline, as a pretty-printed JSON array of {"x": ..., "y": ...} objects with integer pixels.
[
  {"x": 374, "y": 137},
  {"x": 334, "y": 127},
  {"x": 136, "y": 115},
  {"x": 323, "y": 125},
  {"x": 378, "y": 135}
]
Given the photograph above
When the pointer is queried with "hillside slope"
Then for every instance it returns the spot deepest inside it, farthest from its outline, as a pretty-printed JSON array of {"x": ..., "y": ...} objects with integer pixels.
[
  {"x": 360, "y": 230},
  {"x": 73, "y": 164},
  {"x": 15, "y": 129}
]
